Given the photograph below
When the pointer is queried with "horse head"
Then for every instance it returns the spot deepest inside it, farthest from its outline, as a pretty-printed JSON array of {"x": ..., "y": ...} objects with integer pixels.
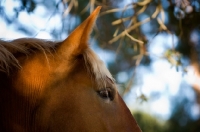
[{"x": 60, "y": 86}]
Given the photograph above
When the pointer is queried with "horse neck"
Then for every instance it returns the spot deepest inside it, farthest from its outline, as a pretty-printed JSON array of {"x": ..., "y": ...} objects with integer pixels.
[{"x": 15, "y": 110}]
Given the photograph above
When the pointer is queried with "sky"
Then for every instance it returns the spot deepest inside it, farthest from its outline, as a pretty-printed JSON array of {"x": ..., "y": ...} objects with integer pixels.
[{"x": 159, "y": 82}]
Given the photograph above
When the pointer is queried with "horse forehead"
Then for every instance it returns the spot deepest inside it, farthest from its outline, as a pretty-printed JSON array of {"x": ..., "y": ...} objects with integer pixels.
[{"x": 37, "y": 70}]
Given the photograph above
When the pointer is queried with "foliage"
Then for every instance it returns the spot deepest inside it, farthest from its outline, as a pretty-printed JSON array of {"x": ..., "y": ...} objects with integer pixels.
[{"x": 148, "y": 123}]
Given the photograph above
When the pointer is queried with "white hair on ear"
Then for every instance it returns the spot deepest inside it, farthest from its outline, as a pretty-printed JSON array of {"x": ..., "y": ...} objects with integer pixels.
[{"x": 97, "y": 67}]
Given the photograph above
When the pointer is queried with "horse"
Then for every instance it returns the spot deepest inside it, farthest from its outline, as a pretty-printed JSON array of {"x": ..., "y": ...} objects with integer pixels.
[{"x": 50, "y": 86}]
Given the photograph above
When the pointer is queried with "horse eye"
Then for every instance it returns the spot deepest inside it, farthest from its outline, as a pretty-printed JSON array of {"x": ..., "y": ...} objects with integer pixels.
[{"x": 106, "y": 94}]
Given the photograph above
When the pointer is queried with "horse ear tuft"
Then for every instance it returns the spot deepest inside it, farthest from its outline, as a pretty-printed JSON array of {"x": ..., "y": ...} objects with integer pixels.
[{"x": 77, "y": 41}]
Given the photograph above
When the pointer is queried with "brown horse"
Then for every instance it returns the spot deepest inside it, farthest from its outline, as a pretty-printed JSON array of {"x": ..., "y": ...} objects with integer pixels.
[{"x": 59, "y": 87}]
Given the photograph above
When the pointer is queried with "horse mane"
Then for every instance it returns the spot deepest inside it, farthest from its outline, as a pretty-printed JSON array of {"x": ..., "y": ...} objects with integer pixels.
[
  {"x": 26, "y": 46},
  {"x": 9, "y": 50}
]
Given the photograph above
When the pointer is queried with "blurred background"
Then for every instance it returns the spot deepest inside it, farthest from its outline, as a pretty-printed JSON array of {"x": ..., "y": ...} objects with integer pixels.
[{"x": 152, "y": 48}]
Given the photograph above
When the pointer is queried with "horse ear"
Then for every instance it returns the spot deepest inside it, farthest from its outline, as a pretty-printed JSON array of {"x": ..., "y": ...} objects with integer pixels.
[{"x": 77, "y": 41}]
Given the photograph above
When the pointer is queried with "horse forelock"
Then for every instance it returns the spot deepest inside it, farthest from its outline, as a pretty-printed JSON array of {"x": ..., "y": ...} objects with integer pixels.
[
  {"x": 97, "y": 67},
  {"x": 27, "y": 46}
]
